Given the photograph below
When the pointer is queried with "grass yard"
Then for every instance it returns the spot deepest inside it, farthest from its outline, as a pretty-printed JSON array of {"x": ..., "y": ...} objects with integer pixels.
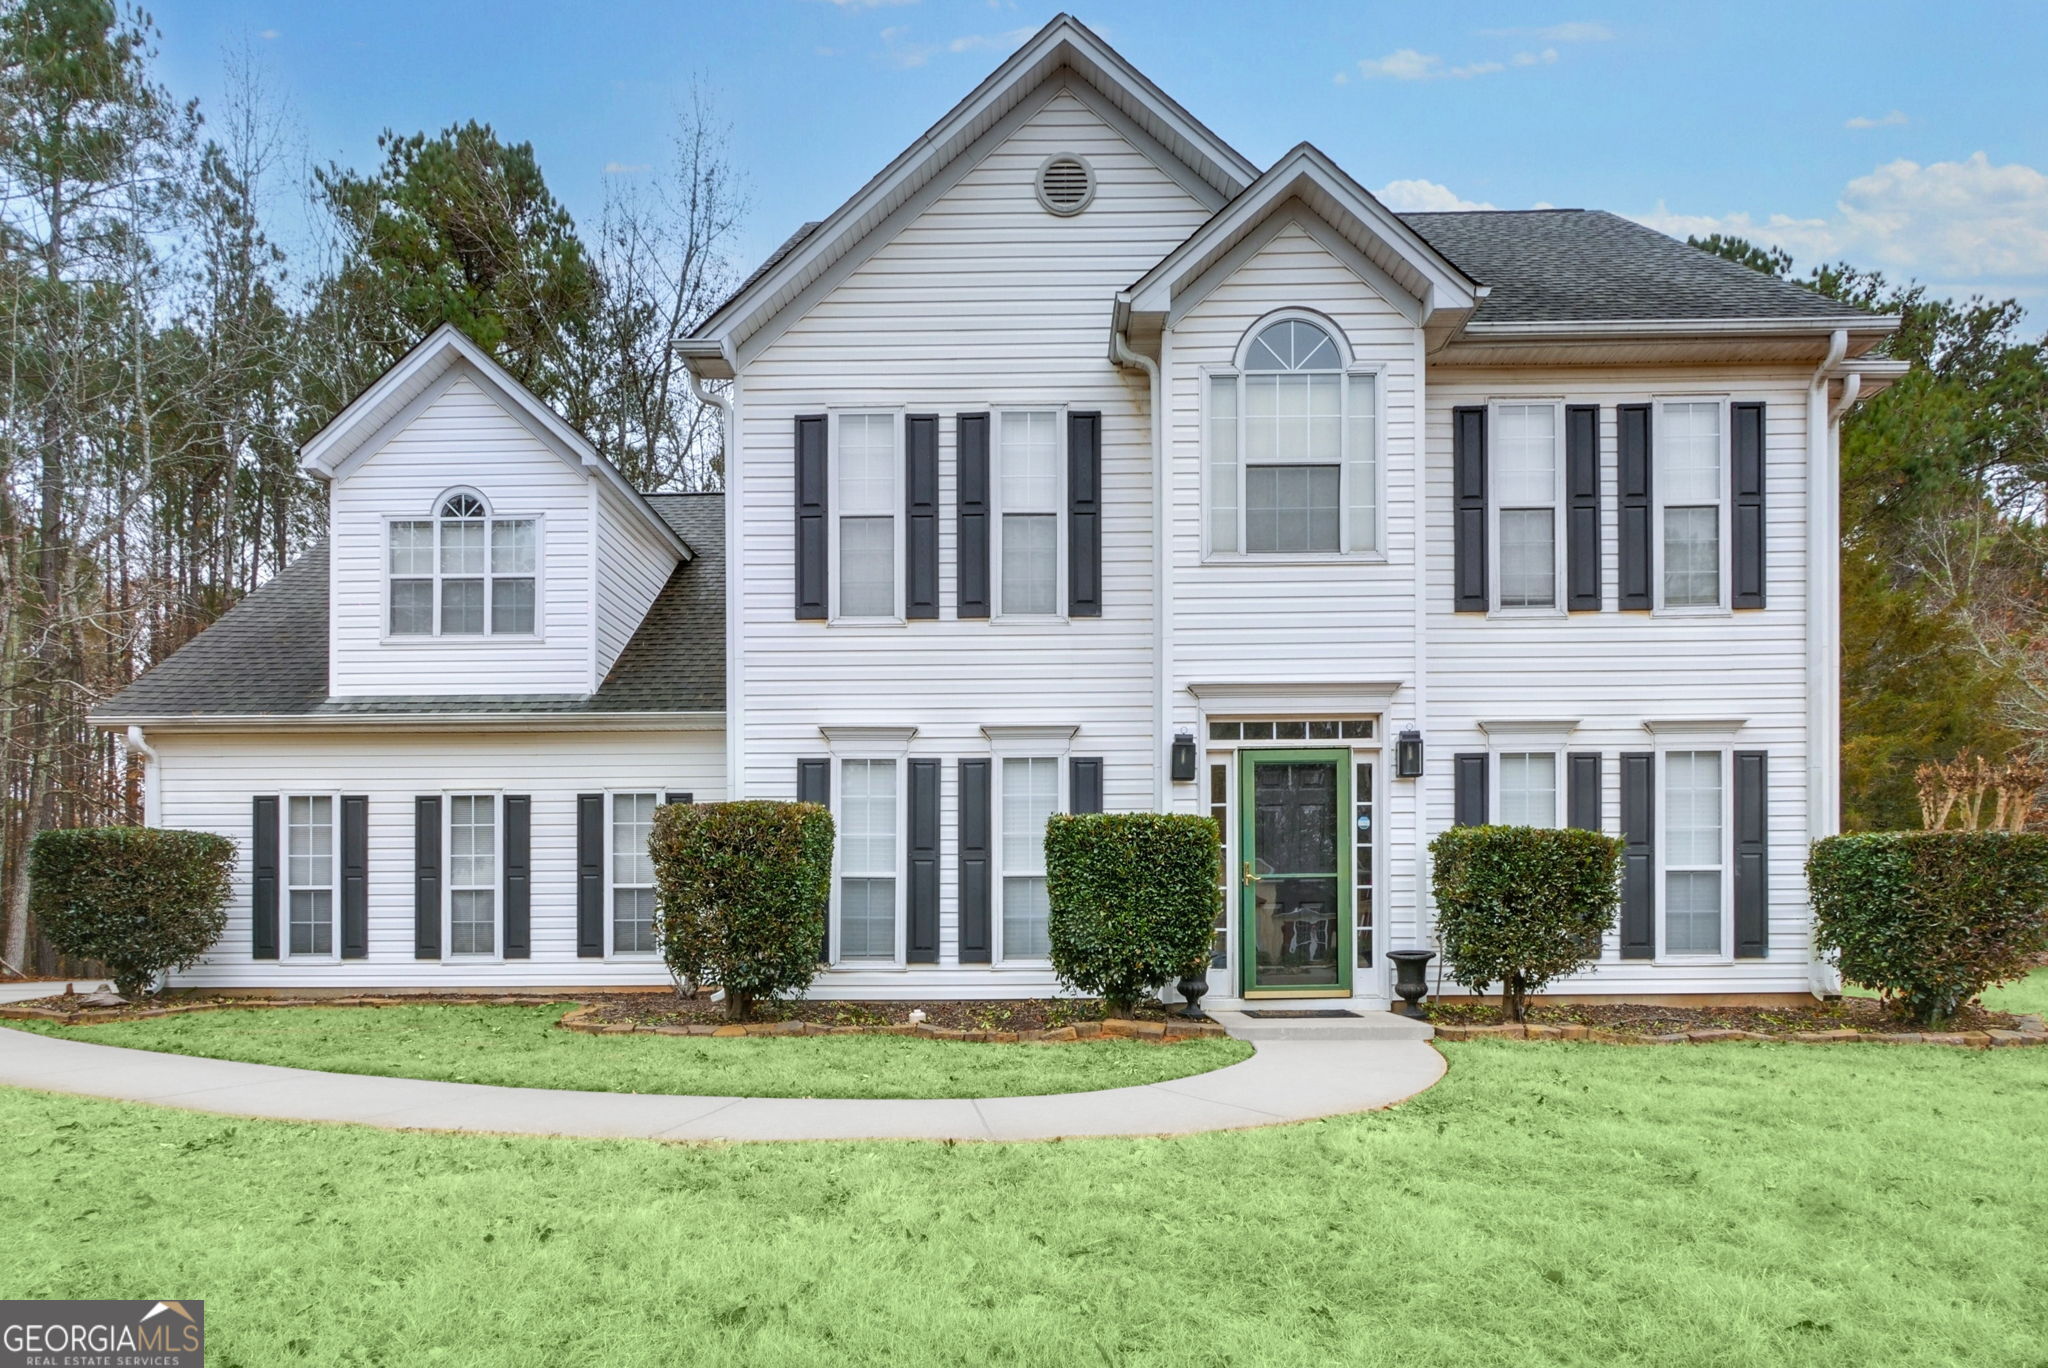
[
  {"x": 1545, "y": 1204},
  {"x": 2030, "y": 994},
  {"x": 521, "y": 1047}
]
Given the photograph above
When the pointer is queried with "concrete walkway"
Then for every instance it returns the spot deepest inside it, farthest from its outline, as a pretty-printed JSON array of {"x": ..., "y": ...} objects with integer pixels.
[
  {"x": 1286, "y": 1080},
  {"x": 25, "y": 992}
]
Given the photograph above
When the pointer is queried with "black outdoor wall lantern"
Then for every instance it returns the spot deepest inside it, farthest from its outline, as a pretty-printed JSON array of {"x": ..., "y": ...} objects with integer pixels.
[
  {"x": 1408, "y": 755},
  {"x": 1184, "y": 758}
]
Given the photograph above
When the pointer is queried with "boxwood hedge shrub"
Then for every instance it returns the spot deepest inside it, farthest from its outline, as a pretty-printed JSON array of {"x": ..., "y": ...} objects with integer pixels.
[
  {"x": 140, "y": 900},
  {"x": 1931, "y": 918},
  {"x": 1521, "y": 906},
  {"x": 741, "y": 896},
  {"x": 1133, "y": 900}
]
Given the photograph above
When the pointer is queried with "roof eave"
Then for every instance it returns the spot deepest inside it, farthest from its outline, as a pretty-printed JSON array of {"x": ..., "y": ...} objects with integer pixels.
[{"x": 618, "y": 720}]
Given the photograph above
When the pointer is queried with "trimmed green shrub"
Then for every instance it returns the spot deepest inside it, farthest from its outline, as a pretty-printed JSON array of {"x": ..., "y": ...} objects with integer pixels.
[
  {"x": 1931, "y": 918},
  {"x": 741, "y": 891},
  {"x": 1521, "y": 906},
  {"x": 140, "y": 900},
  {"x": 1133, "y": 900}
]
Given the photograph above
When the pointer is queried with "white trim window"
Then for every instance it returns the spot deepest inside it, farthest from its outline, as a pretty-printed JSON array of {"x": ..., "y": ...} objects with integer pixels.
[
  {"x": 870, "y": 852},
  {"x": 463, "y": 572},
  {"x": 1695, "y": 852},
  {"x": 1526, "y": 788},
  {"x": 472, "y": 875},
  {"x": 1028, "y": 792},
  {"x": 1030, "y": 491},
  {"x": 311, "y": 874},
  {"x": 631, "y": 924},
  {"x": 1293, "y": 448},
  {"x": 1526, "y": 454},
  {"x": 1690, "y": 485},
  {"x": 866, "y": 492}
]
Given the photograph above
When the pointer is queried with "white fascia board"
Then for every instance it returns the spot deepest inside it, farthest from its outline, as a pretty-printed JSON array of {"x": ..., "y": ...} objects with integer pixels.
[
  {"x": 1876, "y": 326},
  {"x": 1063, "y": 41},
  {"x": 421, "y": 721}
]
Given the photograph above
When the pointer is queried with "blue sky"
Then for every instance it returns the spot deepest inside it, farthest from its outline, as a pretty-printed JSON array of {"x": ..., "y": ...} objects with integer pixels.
[{"x": 1908, "y": 137}]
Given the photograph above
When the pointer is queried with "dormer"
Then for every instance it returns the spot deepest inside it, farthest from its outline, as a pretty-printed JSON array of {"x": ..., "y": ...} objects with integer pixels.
[{"x": 479, "y": 546}]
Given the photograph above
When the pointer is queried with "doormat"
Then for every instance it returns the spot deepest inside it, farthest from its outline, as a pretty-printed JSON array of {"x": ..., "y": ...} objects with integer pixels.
[{"x": 1269, "y": 1015}]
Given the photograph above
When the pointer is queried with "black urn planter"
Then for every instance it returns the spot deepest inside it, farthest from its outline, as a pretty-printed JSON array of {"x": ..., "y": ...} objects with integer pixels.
[
  {"x": 1409, "y": 984},
  {"x": 1192, "y": 986}
]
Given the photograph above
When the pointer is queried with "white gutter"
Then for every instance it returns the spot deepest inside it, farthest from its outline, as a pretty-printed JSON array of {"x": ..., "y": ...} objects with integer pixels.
[
  {"x": 1162, "y": 676},
  {"x": 151, "y": 801},
  {"x": 1824, "y": 622},
  {"x": 421, "y": 721},
  {"x": 735, "y": 707},
  {"x": 1852, "y": 385},
  {"x": 1668, "y": 327}
]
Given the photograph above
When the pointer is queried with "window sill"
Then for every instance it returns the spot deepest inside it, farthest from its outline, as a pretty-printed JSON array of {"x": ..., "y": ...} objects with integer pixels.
[
  {"x": 1669, "y": 961},
  {"x": 457, "y": 638},
  {"x": 1026, "y": 620},
  {"x": 1526, "y": 614},
  {"x": 867, "y": 622},
  {"x": 1296, "y": 558},
  {"x": 1690, "y": 612},
  {"x": 867, "y": 967}
]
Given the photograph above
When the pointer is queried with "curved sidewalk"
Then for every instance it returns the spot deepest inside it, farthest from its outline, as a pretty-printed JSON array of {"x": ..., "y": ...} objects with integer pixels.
[{"x": 1286, "y": 1080}]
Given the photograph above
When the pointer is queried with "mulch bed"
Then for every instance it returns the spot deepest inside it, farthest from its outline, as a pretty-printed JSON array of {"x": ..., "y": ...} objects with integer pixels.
[{"x": 1818, "y": 1023}]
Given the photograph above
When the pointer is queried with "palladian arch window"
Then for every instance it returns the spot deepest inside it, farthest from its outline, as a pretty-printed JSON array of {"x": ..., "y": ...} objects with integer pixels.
[
  {"x": 463, "y": 572},
  {"x": 1293, "y": 458}
]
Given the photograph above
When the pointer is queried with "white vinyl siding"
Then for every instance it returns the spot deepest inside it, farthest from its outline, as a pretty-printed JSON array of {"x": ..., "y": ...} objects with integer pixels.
[
  {"x": 868, "y": 861},
  {"x": 1527, "y": 475},
  {"x": 472, "y": 874},
  {"x": 1029, "y": 492},
  {"x": 1694, "y": 852},
  {"x": 311, "y": 870},
  {"x": 1527, "y": 784},
  {"x": 1030, "y": 788},
  {"x": 632, "y": 874},
  {"x": 866, "y": 507},
  {"x": 1690, "y": 486}
]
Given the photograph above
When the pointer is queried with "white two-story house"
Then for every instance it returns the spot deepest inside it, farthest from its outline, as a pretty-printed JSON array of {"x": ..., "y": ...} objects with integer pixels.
[{"x": 1075, "y": 463}]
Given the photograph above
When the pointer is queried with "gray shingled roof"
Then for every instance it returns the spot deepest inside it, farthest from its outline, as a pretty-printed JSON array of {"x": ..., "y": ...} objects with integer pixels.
[
  {"x": 267, "y": 656},
  {"x": 1586, "y": 265}
]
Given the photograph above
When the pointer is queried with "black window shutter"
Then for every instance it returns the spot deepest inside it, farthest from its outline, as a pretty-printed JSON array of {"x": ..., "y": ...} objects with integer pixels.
[
  {"x": 518, "y": 876},
  {"x": 1468, "y": 788},
  {"x": 1632, "y": 469},
  {"x": 1582, "y": 507},
  {"x": 922, "y": 945},
  {"x": 1638, "y": 855},
  {"x": 970, "y": 514},
  {"x": 1468, "y": 507},
  {"x": 921, "y": 507},
  {"x": 977, "y": 864},
  {"x": 1582, "y": 790},
  {"x": 814, "y": 785},
  {"x": 263, "y": 878},
  {"x": 1084, "y": 515},
  {"x": 355, "y": 876},
  {"x": 1746, "y": 461},
  {"x": 673, "y": 797},
  {"x": 590, "y": 876},
  {"x": 1752, "y": 855},
  {"x": 1084, "y": 784},
  {"x": 426, "y": 878},
  {"x": 813, "y": 594}
]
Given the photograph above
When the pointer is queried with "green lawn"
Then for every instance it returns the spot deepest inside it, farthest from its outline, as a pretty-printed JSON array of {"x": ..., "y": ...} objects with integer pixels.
[
  {"x": 2030, "y": 994},
  {"x": 521, "y": 1047},
  {"x": 1544, "y": 1204}
]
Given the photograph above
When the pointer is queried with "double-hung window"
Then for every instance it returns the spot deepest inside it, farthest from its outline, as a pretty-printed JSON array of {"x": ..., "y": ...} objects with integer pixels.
[
  {"x": 310, "y": 868},
  {"x": 1690, "y": 485},
  {"x": 463, "y": 572},
  {"x": 865, "y": 494},
  {"x": 1695, "y": 852},
  {"x": 1528, "y": 476},
  {"x": 1030, "y": 788},
  {"x": 472, "y": 874},
  {"x": 869, "y": 845},
  {"x": 1528, "y": 789},
  {"x": 1028, "y": 489},
  {"x": 632, "y": 882},
  {"x": 1293, "y": 448}
]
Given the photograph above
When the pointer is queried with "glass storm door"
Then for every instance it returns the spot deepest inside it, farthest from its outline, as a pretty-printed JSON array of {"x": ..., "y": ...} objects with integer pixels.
[{"x": 1295, "y": 880}]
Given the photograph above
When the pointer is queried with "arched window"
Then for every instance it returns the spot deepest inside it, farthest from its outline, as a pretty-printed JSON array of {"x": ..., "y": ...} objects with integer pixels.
[
  {"x": 1293, "y": 459},
  {"x": 463, "y": 572}
]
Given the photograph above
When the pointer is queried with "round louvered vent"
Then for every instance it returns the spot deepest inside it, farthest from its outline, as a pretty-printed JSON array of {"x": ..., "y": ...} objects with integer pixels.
[{"x": 1065, "y": 184}]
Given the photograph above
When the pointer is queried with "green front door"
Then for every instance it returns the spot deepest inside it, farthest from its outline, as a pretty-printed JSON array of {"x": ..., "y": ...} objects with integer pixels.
[{"x": 1295, "y": 882}]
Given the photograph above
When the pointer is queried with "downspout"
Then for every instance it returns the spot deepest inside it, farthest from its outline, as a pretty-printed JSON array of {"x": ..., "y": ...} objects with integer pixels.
[
  {"x": 735, "y": 708},
  {"x": 1162, "y": 679},
  {"x": 1823, "y": 617},
  {"x": 151, "y": 796}
]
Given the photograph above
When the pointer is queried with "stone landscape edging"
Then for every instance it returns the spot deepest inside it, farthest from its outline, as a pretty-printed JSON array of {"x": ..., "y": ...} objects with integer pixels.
[
  {"x": 1168, "y": 1032},
  {"x": 2032, "y": 1032}
]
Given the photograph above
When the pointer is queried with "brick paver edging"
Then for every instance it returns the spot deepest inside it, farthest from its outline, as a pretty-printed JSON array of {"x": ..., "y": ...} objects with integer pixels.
[{"x": 2032, "y": 1032}]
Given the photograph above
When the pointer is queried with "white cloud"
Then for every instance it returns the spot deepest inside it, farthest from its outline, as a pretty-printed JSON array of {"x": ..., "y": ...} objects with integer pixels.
[
  {"x": 1956, "y": 222},
  {"x": 1412, "y": 196},
  {"x": 1580, "y": 32},
  {"x": 900, "y": 52},
  {"x": 1407, "y": 64},
  {"x": 269, "y": 34},
  {"x": 1404, "y": 65},
  {"x": 1895, "y": 119},
  {"x": 613, "y": 168},
  {"x": 1543, "y": 58}
]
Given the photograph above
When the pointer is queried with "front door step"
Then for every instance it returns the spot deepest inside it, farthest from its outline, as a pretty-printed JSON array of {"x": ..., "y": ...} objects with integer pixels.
[
  {"x": 1267, "y": 1014},
  {"x": 1358, "y": 1025}
]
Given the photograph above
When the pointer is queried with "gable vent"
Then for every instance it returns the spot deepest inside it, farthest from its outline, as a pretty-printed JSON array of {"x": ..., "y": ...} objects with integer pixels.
[{"x": 1065, "y": 184}]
